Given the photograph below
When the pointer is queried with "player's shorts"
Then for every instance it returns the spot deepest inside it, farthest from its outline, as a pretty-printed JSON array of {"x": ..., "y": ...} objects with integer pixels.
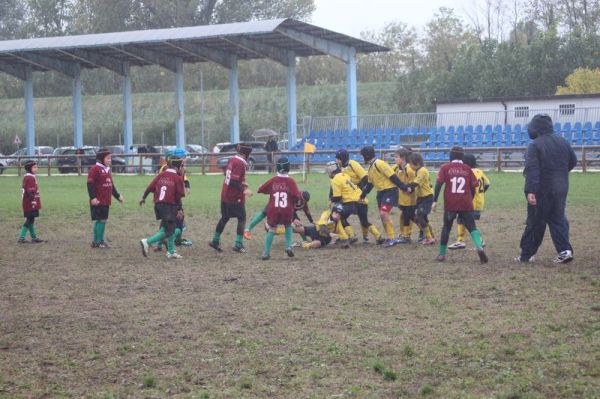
[
  {"x": 424, "y": 205},
  {"x": 311, "y": 231},
  {"x": 166, "y": 212},
  {"x": 32, "y": 214},
  {"x": 99, "y": 212},
  {"x": 476, "y": 216},
  {"x": 350, "y": 208},
  {"x": 276, "y": 218},
  {"x": 387, "y": 199},
  {"x": 235, "y": 210}
]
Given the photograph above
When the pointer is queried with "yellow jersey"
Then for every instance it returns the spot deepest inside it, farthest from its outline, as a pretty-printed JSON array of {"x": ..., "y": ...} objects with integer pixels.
[
  {"x": 342, "y": 186},
  {"x": 332, "y": 225},
  {"x": 354, "y": 171},
  {"x": 479, "y": 198},
  {"x": 379, "y": 175},
  {"x": 423, "y": 182},
  {"x": 406, "y": 174}
]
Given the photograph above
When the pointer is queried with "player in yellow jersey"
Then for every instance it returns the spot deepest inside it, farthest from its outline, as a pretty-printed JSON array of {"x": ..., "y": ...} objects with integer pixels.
[
  {"x": 424, "y": 191},
  {"x": 478, "y": 200},
  {"x": 408, "y": 200},
  {"x": 358, "y": 176},
  {"x": 344, "y": 191},
  {"x": 329, "y": 226},
  {"x": 381, "y": 176}
]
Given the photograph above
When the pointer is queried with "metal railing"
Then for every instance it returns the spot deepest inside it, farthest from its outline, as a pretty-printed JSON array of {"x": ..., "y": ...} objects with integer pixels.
[
  {"x": 496, "y": 158},
  {"x": 432, "y": 119}
]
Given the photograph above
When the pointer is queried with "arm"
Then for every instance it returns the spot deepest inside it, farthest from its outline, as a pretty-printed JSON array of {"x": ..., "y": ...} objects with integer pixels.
[
  {"x": 308, "y": 214},
  {"x": 149, "y": 189},
  {"x": 532, "y": 170},
  {"x": 396, "y": 180},
  {"x": 363, "y": 182},
  {"x": 438, "y": 188},
  {"x": 335, "y": 191},
  {"x": 572, "y": 158},
  {"x": 366, "y": 190}
]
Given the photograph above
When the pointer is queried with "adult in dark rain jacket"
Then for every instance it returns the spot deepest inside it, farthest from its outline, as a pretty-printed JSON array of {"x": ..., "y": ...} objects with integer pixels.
[{"x": 548, "y": 161}]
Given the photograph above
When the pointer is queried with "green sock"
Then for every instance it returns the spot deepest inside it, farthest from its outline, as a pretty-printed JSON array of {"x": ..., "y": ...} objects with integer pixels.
[
  {"x": 171, "y": 243},
  {"x": 96, "y": 231},
  {"x": 288, "y": 236},
  {"x": 178, "y": 233},
  {"x": 216, "y": 237},
  {"x": 269, "y": 242},
  {"x": 259, "y": 216},
  {"x": 476, "y": 236},
  {"x": 239, "y": 240},
  {"x": 32, "y": 231},
  {"x": 156, "y": 237},
  {"x": 443, "y": 249},
  {"x": 303, "y": 236},
  {"x": 101, "y": 228},
  {"x": 23, "y": 232}
]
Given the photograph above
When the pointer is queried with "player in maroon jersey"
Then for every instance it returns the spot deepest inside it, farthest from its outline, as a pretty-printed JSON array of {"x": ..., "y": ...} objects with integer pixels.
[
  {"x": 168, "y": 189},
  {"x": 461, "y": 183},
  {"x": 31, "y": 203},
  {"x": 101, "y": 189},
  {"x": 233, "y": 198},
  {"x": 283, "y": 194}
]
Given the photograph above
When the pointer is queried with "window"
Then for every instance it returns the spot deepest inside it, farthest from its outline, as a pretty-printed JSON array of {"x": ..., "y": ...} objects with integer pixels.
[
  {"x": 521, "y": 112},
  {"x": 567, "y": 109}
]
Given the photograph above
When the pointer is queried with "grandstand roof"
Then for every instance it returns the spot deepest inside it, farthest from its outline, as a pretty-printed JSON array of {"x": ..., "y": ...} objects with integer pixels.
[
  {"x": 246, "y": 40},
  {"x": 517, "y": 98}
]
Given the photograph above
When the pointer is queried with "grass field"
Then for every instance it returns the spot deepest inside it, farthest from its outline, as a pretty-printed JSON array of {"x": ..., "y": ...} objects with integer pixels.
[{"x": 366, "y": 322}]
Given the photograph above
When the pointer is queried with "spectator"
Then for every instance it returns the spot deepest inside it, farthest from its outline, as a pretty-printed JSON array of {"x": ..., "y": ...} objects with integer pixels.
[
  {"x": 272, "y": 148},
  {"x": 548, "y": 160}
]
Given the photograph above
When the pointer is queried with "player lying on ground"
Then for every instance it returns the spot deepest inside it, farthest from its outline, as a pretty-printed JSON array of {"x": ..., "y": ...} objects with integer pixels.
[{"x": 328, "y": 227}]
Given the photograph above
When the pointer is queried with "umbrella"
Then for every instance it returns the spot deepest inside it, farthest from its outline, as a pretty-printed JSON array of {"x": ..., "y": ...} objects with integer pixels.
[{"x": 260, "y": 133}]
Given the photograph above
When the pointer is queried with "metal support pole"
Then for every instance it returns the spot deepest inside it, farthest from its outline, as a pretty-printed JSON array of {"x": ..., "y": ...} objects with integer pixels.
[
  {"x": 352, "y": 92},
  {"x": 291, "y": 97},
  {"x": 127, "y": 109},
  {"x": 29, "y": 113},
  {"x": 179, "y": 124},
  {"x": 234, "y": 102},
  {"x": 77, "y": 110}
]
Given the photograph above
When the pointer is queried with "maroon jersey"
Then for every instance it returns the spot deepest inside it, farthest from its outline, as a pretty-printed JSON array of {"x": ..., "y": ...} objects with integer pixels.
[
  {"x": 283, "y": 195},
  {"x": 236, "y": 171},
  {"x": 101, "y": 177},
  {"x": 31, "y": 195},
  {"x": 460, "y": 184},
  {"x": 167, "y": 187}
]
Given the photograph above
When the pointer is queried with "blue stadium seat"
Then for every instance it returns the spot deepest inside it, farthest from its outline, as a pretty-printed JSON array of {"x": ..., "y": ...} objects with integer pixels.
[{"x": 557, "y": 127}]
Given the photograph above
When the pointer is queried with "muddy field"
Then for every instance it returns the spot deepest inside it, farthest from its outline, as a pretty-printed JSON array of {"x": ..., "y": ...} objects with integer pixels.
[{"x": 366, "y": 322}]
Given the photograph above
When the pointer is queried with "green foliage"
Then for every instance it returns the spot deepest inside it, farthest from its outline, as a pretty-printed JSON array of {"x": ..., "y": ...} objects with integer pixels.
[{"x": 149, "y": 381}]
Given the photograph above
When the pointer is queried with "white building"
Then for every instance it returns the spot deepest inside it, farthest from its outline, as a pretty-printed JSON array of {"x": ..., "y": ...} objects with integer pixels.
[{"x": 513, "y": 110}]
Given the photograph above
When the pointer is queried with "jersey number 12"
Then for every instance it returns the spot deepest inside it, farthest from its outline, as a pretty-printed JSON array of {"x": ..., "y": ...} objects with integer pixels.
[{"x": 458, "y": 185}]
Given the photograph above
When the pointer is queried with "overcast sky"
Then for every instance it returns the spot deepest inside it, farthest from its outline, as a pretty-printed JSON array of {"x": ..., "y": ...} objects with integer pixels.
[{"x": 354, "y": 16}]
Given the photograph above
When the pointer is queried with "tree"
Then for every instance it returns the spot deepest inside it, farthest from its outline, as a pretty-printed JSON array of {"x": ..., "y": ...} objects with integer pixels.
[{"x": 581, "y": 81}]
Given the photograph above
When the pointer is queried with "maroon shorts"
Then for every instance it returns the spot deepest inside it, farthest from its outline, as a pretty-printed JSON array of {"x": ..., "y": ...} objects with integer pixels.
[{"x": 276, "y": 218}]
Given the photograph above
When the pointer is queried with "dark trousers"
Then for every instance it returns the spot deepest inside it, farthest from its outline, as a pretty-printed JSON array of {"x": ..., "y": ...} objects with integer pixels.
[
  {"x": 550, "y": 210},
  {"x": 449, "y": 216},
  {"x": 229, "y": 211}
]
